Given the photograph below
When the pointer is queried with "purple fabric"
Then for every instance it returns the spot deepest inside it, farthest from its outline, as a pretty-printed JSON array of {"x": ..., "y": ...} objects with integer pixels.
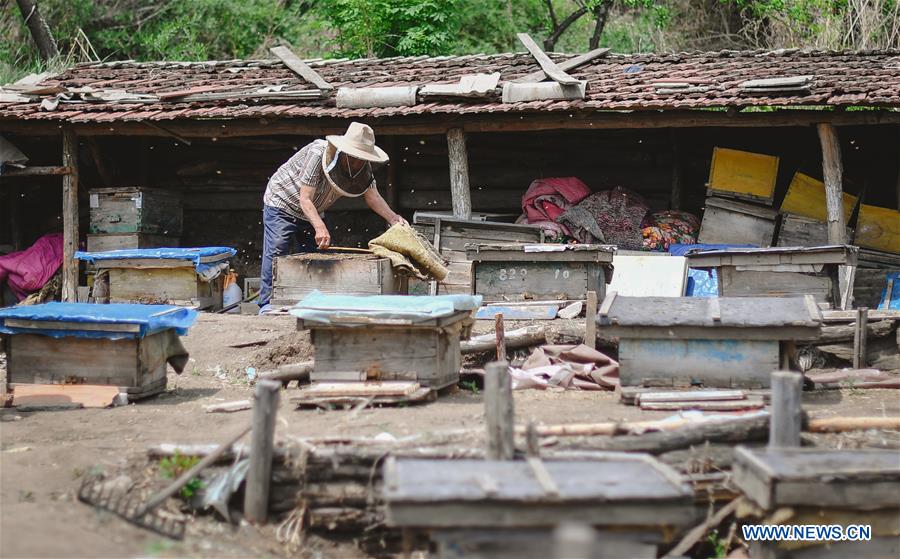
[{"x": 28, "y": 270}]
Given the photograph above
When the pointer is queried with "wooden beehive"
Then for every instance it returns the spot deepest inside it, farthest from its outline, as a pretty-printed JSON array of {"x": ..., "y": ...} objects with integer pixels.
[
  {"x": 103, "y": 242},
  {"x": 743, "y": 174},
  {"x": 297, "y": 275},
  {"x": 779, "y": 272},
  {"x": 388, "y": 349},
  {"x": 136, "y": 210},
  {"x": 730, "y": 222},
  {"x": 160, "y": 281},
  {"x": 717, "y": 342},
  {"x": 516, "y": 272},
  {"x": 806, "y": 197}
]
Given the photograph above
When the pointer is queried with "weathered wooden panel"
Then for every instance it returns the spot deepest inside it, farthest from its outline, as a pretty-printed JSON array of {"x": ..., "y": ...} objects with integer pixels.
[
  {"x": 748, "y": 313},
  {"x": 868, "y": 285},
  {"x": 163, "y": 285},
  {"x": 716, "y": 363},
  {"x": 752, "y": 283},
  {"x": 806, "y": 197},
  {"x": 136, "y": 364},
  {"x": 136, "y": 210},
  {"x": 352, "y": 274},
  {"x": 735, "y": 223},
  {"x": 426, "y": 354},
  {"x": 797, "y": 231},
  {"x": 117, "y": 241},
  {"x": 878, "y": 228},
  {"x": 516, "y": 281},
  {"x": 776, "y": 256},
  {"x": 778, "y": 477}
]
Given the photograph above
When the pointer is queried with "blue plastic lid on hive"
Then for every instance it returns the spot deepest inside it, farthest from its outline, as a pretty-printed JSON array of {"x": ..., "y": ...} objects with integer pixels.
[{"x": 61, "y": 319}]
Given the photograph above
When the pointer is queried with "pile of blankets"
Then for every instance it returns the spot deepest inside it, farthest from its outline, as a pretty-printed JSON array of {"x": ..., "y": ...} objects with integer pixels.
[
  {"x": 572, "y": 367},
  {"x": 566, "y": 210},
  {"x": 26, "y": 272}
]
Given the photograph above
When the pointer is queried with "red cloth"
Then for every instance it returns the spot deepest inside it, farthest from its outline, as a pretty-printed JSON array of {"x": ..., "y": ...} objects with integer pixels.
[
  {"x": 547, "y": 199},
  {"x": 28, "y": 270}
]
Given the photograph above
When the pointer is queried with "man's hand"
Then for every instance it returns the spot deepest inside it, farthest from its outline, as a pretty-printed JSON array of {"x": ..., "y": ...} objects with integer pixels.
[
  {"x": 323, "y": 237},
  {"x": 397, "y": 219}
]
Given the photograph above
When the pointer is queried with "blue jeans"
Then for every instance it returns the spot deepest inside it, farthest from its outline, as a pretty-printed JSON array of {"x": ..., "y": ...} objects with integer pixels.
[{"x": 279, "y": 229}]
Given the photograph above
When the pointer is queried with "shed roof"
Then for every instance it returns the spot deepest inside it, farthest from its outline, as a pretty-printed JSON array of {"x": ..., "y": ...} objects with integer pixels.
[{"x": 615, "y": 83}]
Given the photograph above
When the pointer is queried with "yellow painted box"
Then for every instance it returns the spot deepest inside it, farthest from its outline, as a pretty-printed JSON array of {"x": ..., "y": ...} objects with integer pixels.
[
  {"x": 743, "y": 174},
  {"x": 806, "y": 197},
  {"x": 878, "y": 228}
]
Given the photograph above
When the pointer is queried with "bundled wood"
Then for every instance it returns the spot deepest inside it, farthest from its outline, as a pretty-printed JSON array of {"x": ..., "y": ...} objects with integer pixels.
[{"x": 845, "y": 332}]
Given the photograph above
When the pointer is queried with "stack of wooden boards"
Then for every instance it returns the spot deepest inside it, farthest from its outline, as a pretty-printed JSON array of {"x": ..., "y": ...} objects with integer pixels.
[
  {"x": 510, "y": 508},
  {"x": 822, "y": 487},
  {"x": 388, "y": 348},
  {"x": 125, "y": 346},
  {"x": 719, "y": 342},
  {"x": 180, "y": 276},
  {"x": 134, "y": 217}
]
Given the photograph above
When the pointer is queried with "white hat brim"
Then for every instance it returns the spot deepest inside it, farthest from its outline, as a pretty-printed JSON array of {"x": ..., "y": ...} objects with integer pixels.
[{"x": 378, "y": 156}]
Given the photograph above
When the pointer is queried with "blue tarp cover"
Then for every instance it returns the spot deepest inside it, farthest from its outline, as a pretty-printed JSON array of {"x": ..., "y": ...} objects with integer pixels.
[
  {"x": 322, "y": 308},
  {"x": 891, "y": 301},
  {"x": 702, "y": 282},
  {"x": 151, "y": 318},
  {"x": 212, "y": 255}
]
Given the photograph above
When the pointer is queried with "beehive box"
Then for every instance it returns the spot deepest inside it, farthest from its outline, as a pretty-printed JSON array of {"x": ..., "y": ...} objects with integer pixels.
[
  {"x": 730, "y": 222},
  {"x": 806, "y": 197},
  {"x": 298, "y": 275},
  {"x": 878, "y": 228},
  {"x": 46, "y": 346},
  {"x": 103, "y": 242},
  {"x": 517, "y": 272},
  {"x": 714, "y": 341},
  {"x": 136, "y": 210},
  {"x": 742, "y": 174}
]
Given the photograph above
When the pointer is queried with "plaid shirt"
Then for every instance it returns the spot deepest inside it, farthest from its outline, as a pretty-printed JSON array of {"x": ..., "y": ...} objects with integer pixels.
[{"x": 304, "y": 168}]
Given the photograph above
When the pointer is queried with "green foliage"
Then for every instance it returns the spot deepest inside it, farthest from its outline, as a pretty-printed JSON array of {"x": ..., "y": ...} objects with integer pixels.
[
  {"x": 719, "y": 545},
  {"x": 366, "y": 28},
  {"x": 469, "y": 385},
  {"x": 173, "y": 466}
]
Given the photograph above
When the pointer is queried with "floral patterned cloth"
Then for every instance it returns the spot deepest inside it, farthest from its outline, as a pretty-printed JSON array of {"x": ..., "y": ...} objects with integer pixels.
[
  {"x": 669, "y": 227},
  {"x": 611, "y": 216}
]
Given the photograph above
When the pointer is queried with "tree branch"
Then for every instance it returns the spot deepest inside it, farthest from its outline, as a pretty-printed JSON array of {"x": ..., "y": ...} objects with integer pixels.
[
  {"x": 602, "y": 14},
  {"x": 550, "y": 42}
]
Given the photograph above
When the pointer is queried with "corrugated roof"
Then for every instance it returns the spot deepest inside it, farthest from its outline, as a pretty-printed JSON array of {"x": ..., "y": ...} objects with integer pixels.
[{"x": 615, "y": 82}]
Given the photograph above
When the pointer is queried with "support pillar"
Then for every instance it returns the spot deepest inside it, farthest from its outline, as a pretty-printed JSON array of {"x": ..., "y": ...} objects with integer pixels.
[
  {"x": 460, "y": 193},
  {"x": 70, "y": 216},
  {"x": 833, "y": 173}
]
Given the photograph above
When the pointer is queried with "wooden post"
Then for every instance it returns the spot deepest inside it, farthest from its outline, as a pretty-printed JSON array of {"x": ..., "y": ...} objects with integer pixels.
[
  {"x": 786, "y": 418},
  {"x": 501, "y": 336},
  {"x": 833, "y": 172},
  {"x": 460, "y": 194},
  {"x": 259, "y": 475},
  {"x": 590, "y": 320},
  {"x": 859, "y": 338},
  {"x": 498, "y": 411},
  {"x": 70, "y": 216}
]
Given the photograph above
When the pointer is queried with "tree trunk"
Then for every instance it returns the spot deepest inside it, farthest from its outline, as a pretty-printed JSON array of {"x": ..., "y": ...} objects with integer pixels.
[
  {"x": 558, "y": 30},
  {"x": 602, "y": 14},
  {"x": 39, "y": 29}
]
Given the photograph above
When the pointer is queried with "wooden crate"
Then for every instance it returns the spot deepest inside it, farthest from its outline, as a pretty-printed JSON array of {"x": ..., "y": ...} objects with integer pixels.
[
  {"x": 135, "y": 365},
  {"x": 387, "y": 349},
  {"x": 160, "y": 281},
  {"x": 735, "y": 223},
  {"x": 780, "y": 271},
  {"x": 136, "y": 210},
  {"x": 716, "y": 342},
  {"x": 743, "y": 174},
  {"x": 516, "y": 272},
  {"x": 878, "y": 228},
  {"x": 103, "y": 242},
  {"x": 297, "y": 275},
  {"x": 450, "y": 236},
  {"x": 798, "y": 231},
  {"x": 806, "y": 197}
]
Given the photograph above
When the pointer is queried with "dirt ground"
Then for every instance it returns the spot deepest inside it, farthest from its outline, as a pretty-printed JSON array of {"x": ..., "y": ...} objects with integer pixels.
[{"x": 43, "y": 455}]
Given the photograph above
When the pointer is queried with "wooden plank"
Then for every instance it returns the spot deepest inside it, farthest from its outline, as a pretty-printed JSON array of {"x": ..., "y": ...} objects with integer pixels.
[
  {"x": 775, "y": 256},
  {"x": 299, "y": 67},
  {"x": 460, "y": 194},
  {"x": 522, "y": 280},
  {"x": 787, "y": 409},
  {"x": 878, "y": 228},
  {"x": 833, "y": 171},
  {"x": 262, "y": 446},
  {"x": 736, "y": 283},
  {"x": 570, "y": 64},
  {"x": 117, "y": 241},
  {"x": 723, "y": 225},
  {"x": 499, "y": 411},
  {"x": 709, "y": 406},
  {"x": 60, "y": 325},
  {"x": 372, "y": 388},
  {"x": 690, "y": 396},
  {"x": 36, "y": 171},
  {"x": 523, "y": 251},
  {"x": 70, "y": 216},
  {"x": 740, "y": 312},
  {"x": 89, "y": 396},
  {"x": 549, "y": 67},
  {"x": 850, "y": 315},
  {"x": 590, "y": 314},
  {"x": 713, "y": 363},
  {"x": 859, "y": 338}
]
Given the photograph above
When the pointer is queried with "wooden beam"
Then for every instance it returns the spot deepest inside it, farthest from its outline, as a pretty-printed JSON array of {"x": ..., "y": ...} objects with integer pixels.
[
  {"x": 299, "y": 67},
  {"x": 833, "y": 171},
  {"x": 487, "y": 122},
  {"x": 70, "y": 216},
  {"x": 47, "y": 171},
  {"x": 499, "y": 412},
  {"x": 570, "y": 64},
  {"x": 461, "y": 195},
  {"x": 549, "y": 67}
]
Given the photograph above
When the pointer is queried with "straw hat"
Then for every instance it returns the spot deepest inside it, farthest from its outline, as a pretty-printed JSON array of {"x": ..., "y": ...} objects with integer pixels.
[{"x": 359, "y": 142}]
